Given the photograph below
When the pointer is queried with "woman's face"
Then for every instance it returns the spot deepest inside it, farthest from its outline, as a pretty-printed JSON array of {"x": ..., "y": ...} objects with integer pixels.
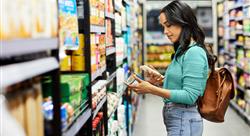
[{"x": 171, "y": 31}]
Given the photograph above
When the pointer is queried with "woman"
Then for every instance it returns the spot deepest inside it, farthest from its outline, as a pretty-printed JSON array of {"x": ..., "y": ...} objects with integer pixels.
[{"x": 186, "y": 76}]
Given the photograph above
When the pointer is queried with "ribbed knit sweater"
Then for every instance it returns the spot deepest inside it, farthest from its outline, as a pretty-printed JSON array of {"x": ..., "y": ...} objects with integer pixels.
[{"x": 186, "y": 78}]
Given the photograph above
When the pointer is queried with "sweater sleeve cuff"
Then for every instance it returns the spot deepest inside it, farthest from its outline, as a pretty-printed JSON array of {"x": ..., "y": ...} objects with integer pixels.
[{"x": 173, "y": 95}]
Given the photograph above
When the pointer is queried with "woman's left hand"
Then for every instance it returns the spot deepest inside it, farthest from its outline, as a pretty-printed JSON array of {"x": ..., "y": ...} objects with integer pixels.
[{"x": 141, "y": 87}]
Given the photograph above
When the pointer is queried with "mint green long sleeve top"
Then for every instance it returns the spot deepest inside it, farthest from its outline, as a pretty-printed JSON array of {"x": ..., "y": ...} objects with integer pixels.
[{"x": 186, "y": 78}]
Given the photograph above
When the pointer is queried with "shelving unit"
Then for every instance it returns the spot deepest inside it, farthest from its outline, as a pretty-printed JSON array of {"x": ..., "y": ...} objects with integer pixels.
[
  {"x": 99, "y": 106},
  {"x": 59, "y": 76},
  {"x": 233, "y": 33},
  {"x": 26, "y": 70},
  {"x": 26, "y": 46},
  {"x": 77, "y": 125}
]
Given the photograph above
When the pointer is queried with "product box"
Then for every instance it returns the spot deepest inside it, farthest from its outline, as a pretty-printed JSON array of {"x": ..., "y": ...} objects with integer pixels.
[
  {"x": 78, "y": 63},
  {"x": 80, "y": 50},
  {"x": 68, "y": 23},
  {"x": 65, "y": 63}
]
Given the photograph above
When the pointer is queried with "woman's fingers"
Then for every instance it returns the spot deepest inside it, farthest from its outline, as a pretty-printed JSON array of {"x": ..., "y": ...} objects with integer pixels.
[
  {"x": 151, "y": 67},
  {"x": 137, "y": 78}
]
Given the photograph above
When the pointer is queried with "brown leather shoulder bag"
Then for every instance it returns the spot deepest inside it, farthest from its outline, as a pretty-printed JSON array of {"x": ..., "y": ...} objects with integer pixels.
[{"x": 218, "y": 93}]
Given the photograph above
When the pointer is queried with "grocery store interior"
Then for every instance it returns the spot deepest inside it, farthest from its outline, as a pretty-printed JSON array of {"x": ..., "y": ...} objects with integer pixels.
[{"x": 64, "y": 63}]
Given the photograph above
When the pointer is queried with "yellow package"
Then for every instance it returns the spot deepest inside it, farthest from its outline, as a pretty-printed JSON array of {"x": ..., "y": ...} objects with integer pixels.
[
  {"x": 65, "y": 64},
  {"x": 93, "y": 68},
  {"x": 78, "y": 63},
  {"x": 80, "y": 50}
]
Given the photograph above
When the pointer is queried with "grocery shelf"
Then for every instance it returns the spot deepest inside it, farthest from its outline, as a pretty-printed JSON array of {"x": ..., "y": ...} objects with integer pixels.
[
  {"x": 124, "y": 89},
  {"x": 127, "y": 2},
  {"x": 116, "y": 106},
  {"x": 239, "y": 44},
  {"x": 27, "y": 46},
  {"x": 119, "y": 63},
  {"x": 18, "y": 72},
  {"x": 230, "y": 54},
  {"x": 125, "y": 57},
  {"x": 240, "y": 111},
  {"x": 246, "y": 5},
  {"x": 109, "y": 15},
  {"x": 99, "y": 106},
  {"x": 248, "y": 101},
  {"x": 97, "y": 29},
  {"x": 111, "y": 77},
  {"x": 229, "y": 62},
  {"x": 80, "y": 121},
  {"x": 240, "y": 88},
  {"x": 117, "y": 8},
  {"x": 240, "y": 5},
  {"x": 231, "y": 18},
  {"x": 118, "y": 33},
  {"x": 247, "y": 47},
  {"x": 98, "y": 73},
  {"x": 247, "y": 17},
  {"x": 247, "y": 33},
  {"x": 239, "y": 18},
  {"x": 239, "y": 32},
  {"x": 110, "y": 50},
  {"x": 240, "y": 67},
  {"x": 125, "y": 29}
]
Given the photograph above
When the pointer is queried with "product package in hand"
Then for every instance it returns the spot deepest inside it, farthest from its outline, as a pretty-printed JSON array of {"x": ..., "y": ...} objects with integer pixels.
[
  {"x": 131, "y": 80},
  {"x": 149, "y": 73}
]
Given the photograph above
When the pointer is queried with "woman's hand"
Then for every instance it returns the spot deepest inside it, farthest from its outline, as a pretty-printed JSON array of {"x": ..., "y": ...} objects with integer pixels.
[
  {"x": 151, "y": 77},
  {"x": 141, "y": 87}
]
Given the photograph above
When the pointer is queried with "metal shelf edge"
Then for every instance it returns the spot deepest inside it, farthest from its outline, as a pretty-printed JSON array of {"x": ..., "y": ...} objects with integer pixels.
[
  {"x": 97, "y": 29},
  {"x": 240, "y": 110},
  {"x": 240, "y": 88},
  {"x": 78, "y": 124},
  {"x": 110, "y": 51},
  {"x": 18, "y": 72},
  {"x": 111, "y": 77},
  {"x": 127, "y": 2},
  {"x": 98, "y": 73},
  {"x": 99, "y": 106},
  {"x": 109, "y": 15},
  {"x": 26, "y": 46}
]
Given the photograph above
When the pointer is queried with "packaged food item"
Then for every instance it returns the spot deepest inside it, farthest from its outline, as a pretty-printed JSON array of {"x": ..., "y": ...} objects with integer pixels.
[
  {"x": 80, "y": 50},
  {"x": 131, "y": 80},
  {"x": 78, "y": 63},
  {"x": 38, "y": 98},
  {"x": 147, "y": 69},
  {"x": 68, "y": 23},
  {"x": 65, "y": 63},
  {"x": 30, "y": 113}
]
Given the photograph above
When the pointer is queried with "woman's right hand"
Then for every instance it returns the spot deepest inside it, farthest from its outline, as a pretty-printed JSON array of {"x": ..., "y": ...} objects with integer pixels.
[{"x": 155, "y": 77}]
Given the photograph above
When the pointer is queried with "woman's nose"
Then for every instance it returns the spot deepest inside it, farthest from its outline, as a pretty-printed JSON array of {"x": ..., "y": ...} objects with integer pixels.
[{"x": 166, "y": 31}]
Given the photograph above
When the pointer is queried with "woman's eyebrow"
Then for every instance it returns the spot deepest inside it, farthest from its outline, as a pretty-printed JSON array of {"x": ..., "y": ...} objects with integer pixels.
[{"x": 166, "y": 23}]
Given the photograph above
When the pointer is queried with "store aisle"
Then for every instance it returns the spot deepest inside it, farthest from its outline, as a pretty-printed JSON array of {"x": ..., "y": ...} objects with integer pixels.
[{"x": 149, "y": 121}]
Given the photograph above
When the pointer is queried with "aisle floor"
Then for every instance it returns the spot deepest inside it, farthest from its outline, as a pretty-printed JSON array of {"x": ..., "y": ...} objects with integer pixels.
[{"x": 149, "y": 121}]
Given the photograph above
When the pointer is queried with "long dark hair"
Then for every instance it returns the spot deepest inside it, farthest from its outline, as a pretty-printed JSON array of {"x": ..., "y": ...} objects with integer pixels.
[{"x": 179, "y": 13}]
